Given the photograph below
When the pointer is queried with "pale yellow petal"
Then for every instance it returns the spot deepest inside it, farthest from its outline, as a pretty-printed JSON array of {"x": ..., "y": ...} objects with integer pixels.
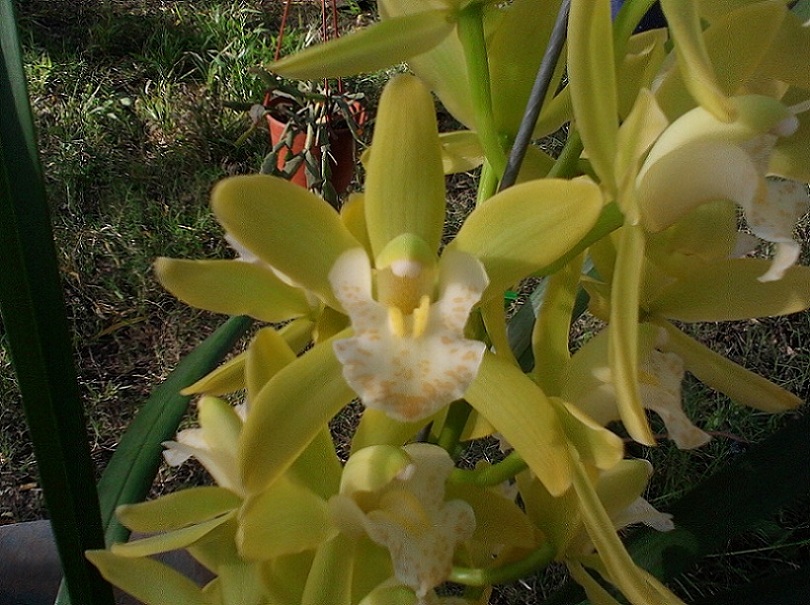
[
  {"x": 592, "y": 80},
  {"x": 370, "y": 49},
  {"x": 520, "y": 411},
  {"x": 528, "y": 227},
  {"x": 404, "y": 178},
  {"x": 178, "y": 509},
  {"x": 284, "y": 519},
  {"x": 232, "y": 287},
  {"x": 284, "y": 225}
]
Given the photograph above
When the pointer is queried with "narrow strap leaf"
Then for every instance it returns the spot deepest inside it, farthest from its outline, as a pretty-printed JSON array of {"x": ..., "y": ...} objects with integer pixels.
[{"x": 36, "y": 326}]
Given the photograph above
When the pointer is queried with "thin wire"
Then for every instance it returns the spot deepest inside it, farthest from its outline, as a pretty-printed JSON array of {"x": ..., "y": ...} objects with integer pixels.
[{"x": 539, "y": 90}]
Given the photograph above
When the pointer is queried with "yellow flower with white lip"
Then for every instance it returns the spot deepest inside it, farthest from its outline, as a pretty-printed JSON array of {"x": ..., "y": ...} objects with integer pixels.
[
  {"x": 408, "y": 355},
  {"x": 396, "y": 496},
  {"x": 405, "y": 352}
]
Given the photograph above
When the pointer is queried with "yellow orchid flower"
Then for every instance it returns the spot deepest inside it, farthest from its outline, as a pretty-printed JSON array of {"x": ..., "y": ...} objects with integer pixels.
[
  {"x": 407, "y": 353},
  {"x": 404, "y": 510}
]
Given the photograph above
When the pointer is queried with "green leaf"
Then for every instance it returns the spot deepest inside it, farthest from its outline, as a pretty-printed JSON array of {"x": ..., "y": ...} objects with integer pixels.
[
  {"x": 751, "y": 489},
  {"x": 782, "y": 589},
  {"x": 129, "y": 474},
  {"x": 33, "y": 316}
]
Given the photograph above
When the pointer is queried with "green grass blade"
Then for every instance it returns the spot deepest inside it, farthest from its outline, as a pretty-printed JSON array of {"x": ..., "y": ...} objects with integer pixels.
[
  {"x": 37, "y": 330},
  {"x": 131, "y": 470}
]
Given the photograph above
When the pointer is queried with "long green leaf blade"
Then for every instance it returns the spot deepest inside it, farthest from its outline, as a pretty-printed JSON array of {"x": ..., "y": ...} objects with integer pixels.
[{"x": 34, "y": 318}]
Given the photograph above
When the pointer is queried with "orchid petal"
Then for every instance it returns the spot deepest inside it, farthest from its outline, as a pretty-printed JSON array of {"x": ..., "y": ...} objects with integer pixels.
[
  {"x": 722, "y": 374},
  {"x": 623, "y": 333},
  {"x": 378, "y": 428},
  {"x": 173, "y": 540},
  {"x": 595, "y": 444},
  {"x": 730, "y": 290},
  {"x": 353, "y": 215},
  {"x": 177, "y": 510},
  {"x": 596, "y": 594},
  {"x": 639, "y": 587},
  {"x": 410, "y": 377},
  {"x": 498, "y": 520},
  {"x": 443, "y": 67},
  {"x": 330, "y": 578},
  {"x": 461, "y": 151},
  {"x": 227, "y": 378},
  {"x": 285, "y": 577},
  {"x": 519, "y": 410},
  {"x": 267, "y": 355},
  {"x": 556, "y": 516},
  {"x": 528, "y": 227},
  {"x": 370, "y": 49},
  {"x": 788, "y": 55},
  {"x": 404, "y": 178},
  {"x": 773, "y": 219},
  {"x": 638, "y": 69},
  {"x": 693, "y": 59},
  {"x": 148, "y": 581},
  {"x": 284, "y": 225},
  {"x": 791, "y": 155},
  {"x": 288, "y": 414},
  {"x": 373, "y": 468},
  {"x": 592, "y": 79},
  {"x": 232, "y": 287},
  {"x": 513, "y": 65},
  {"x": 284, "y": 519}
]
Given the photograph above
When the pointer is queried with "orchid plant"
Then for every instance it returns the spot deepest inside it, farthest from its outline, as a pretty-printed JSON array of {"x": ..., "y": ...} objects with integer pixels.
[{"x": 671, "y": 133}]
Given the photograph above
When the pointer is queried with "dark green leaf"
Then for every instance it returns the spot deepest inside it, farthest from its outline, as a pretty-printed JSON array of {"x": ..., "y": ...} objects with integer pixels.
[{"x": 38, "y": 336}]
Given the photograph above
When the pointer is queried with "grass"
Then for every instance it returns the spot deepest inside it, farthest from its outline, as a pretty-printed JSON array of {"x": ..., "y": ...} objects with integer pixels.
[{"x": 129, "y": 98}]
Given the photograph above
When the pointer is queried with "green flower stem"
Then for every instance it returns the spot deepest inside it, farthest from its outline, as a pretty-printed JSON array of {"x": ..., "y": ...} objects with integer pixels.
[
  {"x": 471, "y": 32},
  {"x": 457, "y": 415},
  {"x": 490, "y": 476},
  {"x": 511, "y": 572},
  {"x": 487, "y": 184},
  {"x": 628, "y": 18}
]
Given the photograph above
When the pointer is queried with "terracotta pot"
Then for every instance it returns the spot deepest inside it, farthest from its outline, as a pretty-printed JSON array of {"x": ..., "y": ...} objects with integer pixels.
[{"x": 342, "y": 145}]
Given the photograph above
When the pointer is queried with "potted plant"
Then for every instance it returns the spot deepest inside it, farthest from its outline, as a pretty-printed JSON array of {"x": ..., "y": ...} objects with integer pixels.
[{"x": 313, "y": 133}]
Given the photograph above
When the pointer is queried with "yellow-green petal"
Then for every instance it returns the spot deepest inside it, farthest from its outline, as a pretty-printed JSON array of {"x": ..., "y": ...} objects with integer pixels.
[
  {"x": 787, "y": 57},
  {"x": 288, "y": 414},
  {"x": 330, "y": 579},
  {"x": 404, "y": 179},
  {"x": 267, "y": 355},
  {"x": 177, "y": 510},
  {"x": 528, "y": 227},
  {"x": 231, "y": 287},
  {"x": 284, "y": 519},
  {"x": 461, "y": 151},
  {"x": 286, "y": 226},
  {"x": 520, "y": 411},
  {"x": 595, "y": 444},
  {"x": 695, "y": 174},
  {"x": 597, "y": 595},
  {"x": 227, "y": 378},
  {"x": 693, "y": 58},
  {"x": 378, "y": 428},
  {"x": 147, "y": 580},
  {"x": 637, "y": 586},
  {"x": 729, "y": 290},
  {"x": 719, "y": 372},
  {"x": 592, "y": 79},
  {"x": 370, "y": 49},
  {"x": 372, "y": 468},
  {"x": 623, "y": 333},
  {"x": 173, "y": 540}
]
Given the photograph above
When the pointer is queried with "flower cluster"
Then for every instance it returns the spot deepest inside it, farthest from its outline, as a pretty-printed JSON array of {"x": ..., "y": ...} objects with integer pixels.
[{"x": 671, "y": 136}]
